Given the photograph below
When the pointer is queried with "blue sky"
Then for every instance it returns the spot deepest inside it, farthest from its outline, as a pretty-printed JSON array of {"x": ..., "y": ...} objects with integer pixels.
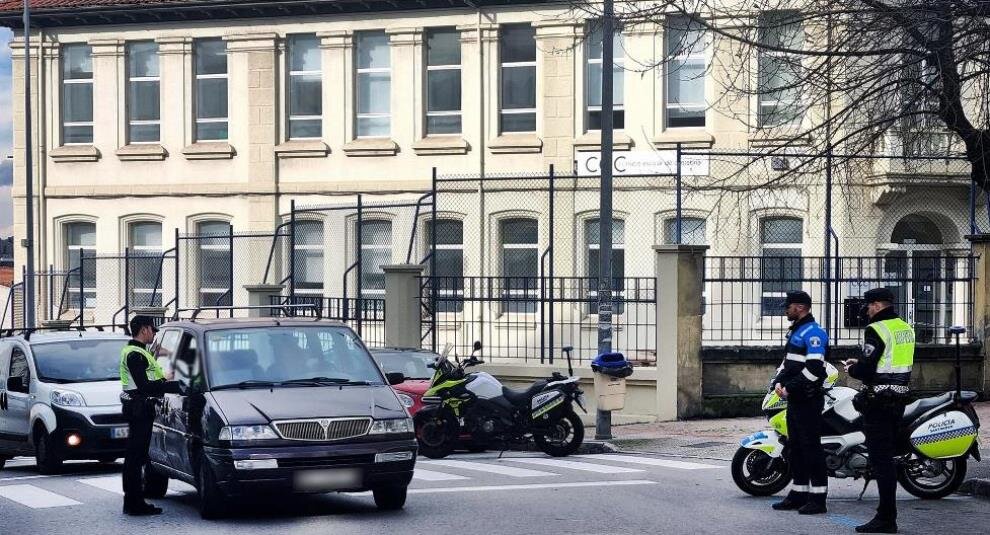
[{"x": 6, "y": 209}]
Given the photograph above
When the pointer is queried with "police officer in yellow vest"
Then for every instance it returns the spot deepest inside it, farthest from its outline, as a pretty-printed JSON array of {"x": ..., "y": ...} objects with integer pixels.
[
  {"x": 885, "y": 370},
  {"x": 144, "y": 383}
]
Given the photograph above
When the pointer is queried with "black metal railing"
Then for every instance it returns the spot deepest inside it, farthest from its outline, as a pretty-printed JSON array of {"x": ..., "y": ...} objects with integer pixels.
[{"x": 366, "y": 316}]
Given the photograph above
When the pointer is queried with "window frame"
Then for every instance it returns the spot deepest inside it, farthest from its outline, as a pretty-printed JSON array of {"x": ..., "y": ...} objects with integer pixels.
[
  {"x": 618, "y": 294},
  {"x": 77, "y": 81},
  {"x": 201, "y": 290},
  {"x": 618, "y": 61},
  {"x": 762, "y": 99},
  {"x": 459, "y": 113},
  {"x": 197, "y": 77},
  {"x": 158, "y": 251},
  {"x": 127, "y": 95},
  {"x": 290, "y": 74},
  {"x": 764, "y": 246},
  {"x": 692, "y": 56},
  {"x": 502, "y": 66},
  {"x": 375, "y": 293},
  {"x": 313, "y": 290},
  {"x": 89, "y": 293},
  {"x": 358, "y": 71},
  {"x": 450, "y": 295},
  {"x": 528, "y": 306},
  {"x": 28, "y": 372}
]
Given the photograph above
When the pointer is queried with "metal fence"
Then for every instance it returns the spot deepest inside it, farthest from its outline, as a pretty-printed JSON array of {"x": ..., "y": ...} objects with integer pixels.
[
  {"x": 744, "y": 296},
  {"x": 12, "y": 315},
  {"x": 365, "y": 316}
]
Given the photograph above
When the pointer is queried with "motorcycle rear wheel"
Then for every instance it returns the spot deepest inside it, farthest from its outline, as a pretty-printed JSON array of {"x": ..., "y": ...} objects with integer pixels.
[
  {"x": 565, "y": 438},
  {"x": 916, "y": 477},
  {"x": 758, "y": 474},
  {"x": 436, "y": 433}
]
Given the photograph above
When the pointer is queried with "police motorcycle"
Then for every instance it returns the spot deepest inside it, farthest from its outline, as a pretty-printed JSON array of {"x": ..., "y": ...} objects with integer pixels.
[
  {"x": 937, "y": 435},
  {"x": 476, "y": 407}
]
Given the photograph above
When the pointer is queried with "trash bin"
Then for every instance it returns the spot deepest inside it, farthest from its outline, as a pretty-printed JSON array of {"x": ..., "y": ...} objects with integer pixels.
[{"x": 611, "y": 370}]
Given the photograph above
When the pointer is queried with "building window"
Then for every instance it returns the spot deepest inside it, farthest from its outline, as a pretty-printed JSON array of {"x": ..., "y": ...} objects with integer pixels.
[
  {"x": 143, "y": 96},
  {"x": 308, "y": 257},
  {"x": 519, "y": 240},
  {"x": 376, "y": 251},
  {"x": 145, "y": 242},
  {"x": 449, "y": 258},
  {"x": 781, "y": 267},
  {"x": 692, "y": 231},
  {"x": 80, "y": 258},
  {"x": 592, "y": 233},
  {"x": 77, "y": 94},
  {"x": 779, "y": 76},
  {"x": 685, "y": 72},
  {"x": 214, "y": 263},
  {"x": 374, "y": 85},
  {"x": 443, "y": 81},
  {"x": 211, "y": 90},
  {"x": 305, "y": 88},
  {"x": 517, "y": 48},
  {"x": 594, "y": 79}
]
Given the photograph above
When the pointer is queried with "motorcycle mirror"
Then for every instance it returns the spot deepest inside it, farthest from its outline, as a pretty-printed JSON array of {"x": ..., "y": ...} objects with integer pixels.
[
  {"x": 477, "y": 345},
  {"x": 447, "y": 349}
]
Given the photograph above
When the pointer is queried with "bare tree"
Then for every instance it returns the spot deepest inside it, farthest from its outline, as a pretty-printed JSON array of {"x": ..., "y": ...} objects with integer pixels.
[{"x": 854, "y": 78}]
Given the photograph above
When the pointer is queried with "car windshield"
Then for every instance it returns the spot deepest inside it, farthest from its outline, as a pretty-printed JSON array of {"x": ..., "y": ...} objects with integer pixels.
[
  {"x": 78, "y": 361},
  {"x": 300, "y": 356},
  {"x": 411, "y": 364}
]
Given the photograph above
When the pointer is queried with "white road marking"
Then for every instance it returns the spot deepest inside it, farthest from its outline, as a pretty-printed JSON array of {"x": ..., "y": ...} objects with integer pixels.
[
  {"x": 108, "y": 483},
  {"x": 430, "y": 475},
  {"x": 18, "y": 478},
  {"x": 178, "y": 488},
  {"x": 490, "y": 468},
  {"x": 34, "y": 497},
  {"x": 537, "y": 486},
  {"x": 574, "y": 465},
  {"x": 649, "y": 461}
]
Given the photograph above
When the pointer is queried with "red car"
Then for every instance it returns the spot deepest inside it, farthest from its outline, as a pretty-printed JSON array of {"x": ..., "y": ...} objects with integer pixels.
[{"x": 413, "y": 364}]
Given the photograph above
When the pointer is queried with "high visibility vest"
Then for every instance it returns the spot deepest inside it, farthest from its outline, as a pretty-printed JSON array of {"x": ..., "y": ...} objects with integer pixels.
[
  {"x": 154, "y": 372},
  {"x": 894, "y": 367}
]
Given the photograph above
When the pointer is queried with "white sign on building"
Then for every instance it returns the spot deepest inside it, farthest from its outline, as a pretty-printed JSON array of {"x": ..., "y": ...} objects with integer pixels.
[{"x": 661, "y": 162}]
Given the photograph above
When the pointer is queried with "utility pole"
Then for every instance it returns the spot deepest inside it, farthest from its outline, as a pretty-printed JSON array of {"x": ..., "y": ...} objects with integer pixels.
[
  {"x": 29, "y": 294},
  {"x": 603, "y": 427}
]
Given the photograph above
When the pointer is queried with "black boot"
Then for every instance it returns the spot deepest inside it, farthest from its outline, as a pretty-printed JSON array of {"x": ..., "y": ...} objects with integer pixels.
[
  {"x": 815, "y": 506},
  {"x": 793, "y": 502},
  {"x": 878, "y": 525}
]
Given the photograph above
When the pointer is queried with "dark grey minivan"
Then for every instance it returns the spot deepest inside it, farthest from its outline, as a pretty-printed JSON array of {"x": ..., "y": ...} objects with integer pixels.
[{"x": 276, "y": 405}]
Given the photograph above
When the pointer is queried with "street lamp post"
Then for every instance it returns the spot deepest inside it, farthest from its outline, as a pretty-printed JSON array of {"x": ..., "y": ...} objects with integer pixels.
[
  {"x": 29, "y": 295},
  {"x": 603, "y": 427}
]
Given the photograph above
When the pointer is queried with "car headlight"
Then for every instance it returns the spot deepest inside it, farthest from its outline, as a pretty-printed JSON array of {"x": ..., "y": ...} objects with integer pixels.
[
  {"x": 406, "y": 400},
  {"x": 390, "y": 427},
  {"x": 67, "y": 398},
  {"x": 247, "y": 432}
]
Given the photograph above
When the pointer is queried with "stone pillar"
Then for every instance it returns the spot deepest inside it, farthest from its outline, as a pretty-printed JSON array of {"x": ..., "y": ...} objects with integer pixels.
[
  {"x": 403, "y": 316},
  {"x": 556, "y": 75},
  {"x": 261, "y": 295},
  {"x": 679, "y": 297},
  {"x": 981, "y": 300}
]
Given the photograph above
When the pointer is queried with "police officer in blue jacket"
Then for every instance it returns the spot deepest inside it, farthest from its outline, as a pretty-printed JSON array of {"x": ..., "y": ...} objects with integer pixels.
[{"x": 800, "y": 383}]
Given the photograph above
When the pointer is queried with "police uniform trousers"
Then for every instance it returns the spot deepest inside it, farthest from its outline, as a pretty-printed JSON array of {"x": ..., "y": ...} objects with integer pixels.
[
  {"x": 140, "y": 418},
  {"x": 806, "y": 456},
  {"x": 881, "y": 418}
]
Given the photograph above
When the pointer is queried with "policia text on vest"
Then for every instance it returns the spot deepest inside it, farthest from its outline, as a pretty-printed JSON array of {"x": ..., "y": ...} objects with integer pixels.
[
  {"x": 885, "y": 370},
  {"x": 143, "y": 383}
]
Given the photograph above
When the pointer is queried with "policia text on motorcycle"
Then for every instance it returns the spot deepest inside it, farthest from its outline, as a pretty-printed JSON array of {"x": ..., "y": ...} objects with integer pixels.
[
  {"x": 143, "y": 382},
  {"x": 885, "y": 369},
  {"x": 800, "y": 382}
]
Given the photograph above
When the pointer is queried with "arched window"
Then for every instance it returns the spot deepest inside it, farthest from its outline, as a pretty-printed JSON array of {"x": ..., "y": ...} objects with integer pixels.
[
  {"x": 308, "y": 262},
  {"x": 80, "y": 253},
  {"x": 144, "y": 238},
  {"x": 213, "y": 264},
  {"x": 376, "y": 251},
  {"x": 692, "y": 231},
  {"x": 781, "y": 264},
  {"x": 916, "y": 229},
  {"x": 449, "y": 257},
  {"x": 519, "y": 241}
]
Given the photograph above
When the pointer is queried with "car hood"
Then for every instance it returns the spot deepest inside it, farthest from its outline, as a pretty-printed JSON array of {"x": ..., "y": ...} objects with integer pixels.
[
  {"x": 99, "y": 394},
  {"x": 252, "y": 406},
  {"x": 414, "y": 386}
]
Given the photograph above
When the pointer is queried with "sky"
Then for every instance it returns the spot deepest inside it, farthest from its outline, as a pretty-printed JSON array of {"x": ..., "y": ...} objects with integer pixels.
[{"x": 6, "y": 166}]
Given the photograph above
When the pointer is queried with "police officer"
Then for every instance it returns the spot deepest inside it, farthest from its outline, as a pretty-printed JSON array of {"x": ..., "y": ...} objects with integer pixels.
[
  {"x": 143, "y": 382},
  {"x": 885, "y": 370},
  {"x": 800, "y": 382}
]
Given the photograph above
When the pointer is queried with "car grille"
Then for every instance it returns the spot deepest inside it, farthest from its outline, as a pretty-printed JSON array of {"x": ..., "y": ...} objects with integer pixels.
[
  {"x": 322, "y": 462},
  {"x": 323, "y": 429},
  {"x": 109, "y": 419}
]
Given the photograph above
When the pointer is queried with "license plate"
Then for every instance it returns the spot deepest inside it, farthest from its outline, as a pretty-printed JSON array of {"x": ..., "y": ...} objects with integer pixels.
[
  {"x": 119, "y": 432},
  {"x": 327, "y": 480}
]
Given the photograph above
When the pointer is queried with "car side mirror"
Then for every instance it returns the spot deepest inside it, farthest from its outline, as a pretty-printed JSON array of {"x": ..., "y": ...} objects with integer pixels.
[
  {"x": 16, "y": 384},
  {"x": 395, "y": 378}
]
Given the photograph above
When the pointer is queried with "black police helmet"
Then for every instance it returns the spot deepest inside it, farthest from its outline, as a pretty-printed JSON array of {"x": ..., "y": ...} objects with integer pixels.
[{"x": 797, "y": 297}]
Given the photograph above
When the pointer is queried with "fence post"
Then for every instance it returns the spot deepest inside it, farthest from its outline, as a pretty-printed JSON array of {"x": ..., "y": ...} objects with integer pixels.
[
  {"x": 434, "y": 337},
  {"x": 292, "y": 251},
  {"x": 230, "y": 265},
  {"x": 403, "y": 319},
  {"x": 178, "y": 286},
  {"x": 981, "y": 300},
  {"x": 680, "y": 283},
  {"x": 360, "y": 266}
]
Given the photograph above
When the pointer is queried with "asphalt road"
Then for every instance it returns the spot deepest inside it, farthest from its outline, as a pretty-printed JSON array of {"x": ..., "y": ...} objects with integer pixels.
[{"x": 479, "y": 494}]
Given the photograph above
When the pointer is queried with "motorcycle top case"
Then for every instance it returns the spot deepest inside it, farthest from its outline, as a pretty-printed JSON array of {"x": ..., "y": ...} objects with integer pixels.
[{"x": 946, "y": 436}]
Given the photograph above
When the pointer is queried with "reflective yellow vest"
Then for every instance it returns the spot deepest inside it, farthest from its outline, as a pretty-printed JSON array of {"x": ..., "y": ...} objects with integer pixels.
[
  {"x": 155, "y": 372},
  {"x": 894, "y": 367}
]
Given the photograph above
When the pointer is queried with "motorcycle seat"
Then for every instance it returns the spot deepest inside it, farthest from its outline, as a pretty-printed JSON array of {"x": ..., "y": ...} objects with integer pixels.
[
  {"x": 924, "y": 405},
  {"x": 522, "y": 397}
]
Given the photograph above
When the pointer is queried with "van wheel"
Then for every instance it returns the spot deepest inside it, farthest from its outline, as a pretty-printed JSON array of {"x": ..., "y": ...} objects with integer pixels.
[
  {"x": 390, "y": 498},
  {"x": 155, "y": 483},
  {"x": 46, "y": 453},
  {"x": 211, "y": 499}
]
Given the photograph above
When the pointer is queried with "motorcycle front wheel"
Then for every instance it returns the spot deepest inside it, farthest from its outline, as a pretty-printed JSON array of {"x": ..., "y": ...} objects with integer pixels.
[
  {"x": 932, "y": 479},
  {"x": 436, "y": 432},
  {"x": 759, "y": 474},
  {"x": 563, "y": 438}
]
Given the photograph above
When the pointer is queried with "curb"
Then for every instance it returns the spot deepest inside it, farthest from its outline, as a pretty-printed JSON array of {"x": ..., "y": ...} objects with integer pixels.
[{"x": 976, "y": 487}]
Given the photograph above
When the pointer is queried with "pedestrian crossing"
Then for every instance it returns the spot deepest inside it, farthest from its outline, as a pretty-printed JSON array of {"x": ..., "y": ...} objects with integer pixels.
[{"x": 455, "y": 474}]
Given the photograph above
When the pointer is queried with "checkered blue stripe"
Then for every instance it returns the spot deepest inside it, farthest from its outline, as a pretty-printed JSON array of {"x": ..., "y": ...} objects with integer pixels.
[{"x": 945, "y": 435}]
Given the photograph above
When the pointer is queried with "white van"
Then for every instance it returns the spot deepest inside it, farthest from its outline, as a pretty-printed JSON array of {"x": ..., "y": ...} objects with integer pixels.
[{"x": 60, "y": 397}]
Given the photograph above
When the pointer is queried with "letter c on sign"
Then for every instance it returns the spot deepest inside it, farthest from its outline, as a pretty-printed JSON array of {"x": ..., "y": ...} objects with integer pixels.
[
  {"x": 618, "y": 160},
  {"x": 588, "y": 164}
]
